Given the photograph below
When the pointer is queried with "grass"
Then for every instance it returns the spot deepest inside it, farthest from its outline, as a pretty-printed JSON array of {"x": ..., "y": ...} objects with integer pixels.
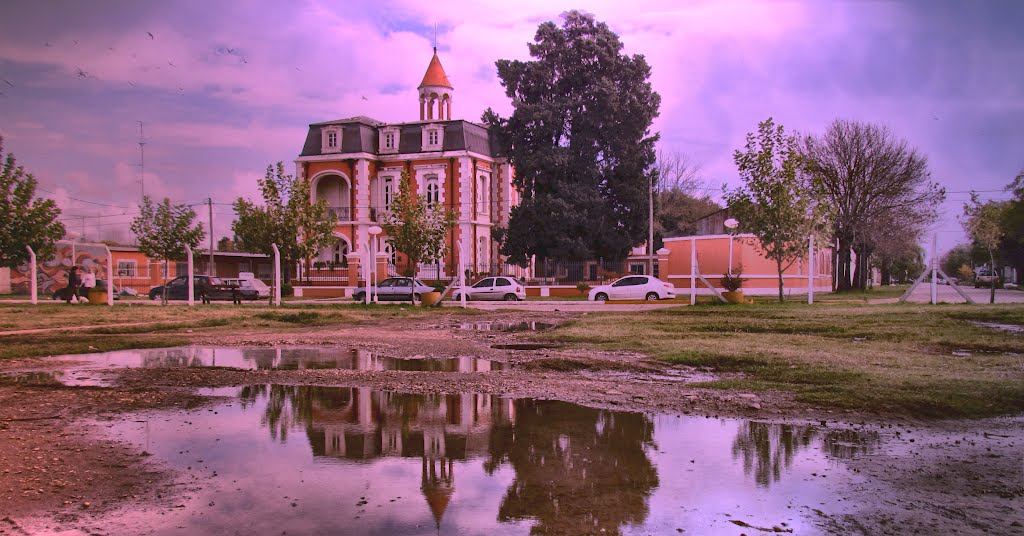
[
  {"x": 888, "y": 359},
  {"x": 173, "y": 325}
]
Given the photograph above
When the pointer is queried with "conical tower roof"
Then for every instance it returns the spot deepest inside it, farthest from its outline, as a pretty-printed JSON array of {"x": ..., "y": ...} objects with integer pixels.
[{"x": 435, "y": 75}]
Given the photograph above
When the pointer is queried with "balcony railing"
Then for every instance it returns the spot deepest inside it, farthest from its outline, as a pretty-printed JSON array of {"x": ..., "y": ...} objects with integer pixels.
[{"x": 341, "y": 213}]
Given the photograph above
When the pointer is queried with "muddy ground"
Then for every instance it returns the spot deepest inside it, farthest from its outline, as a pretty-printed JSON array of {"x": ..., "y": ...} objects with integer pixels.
[{"x": 934, "y": 477}]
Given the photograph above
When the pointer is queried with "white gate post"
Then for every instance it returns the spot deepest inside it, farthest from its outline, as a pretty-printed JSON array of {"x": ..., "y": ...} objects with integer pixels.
[
  {"x": 33, "y": 285},
  {"x": 277, "y": 275},
  {"x": 110, "y": 277},
  {"x": 935, "y": 276},
  {"x": 462, "y": 274},
  {"x": 693, "y": 271},
  {"x": 810, "y": 270},
  {"x": 191, "y": 277}
]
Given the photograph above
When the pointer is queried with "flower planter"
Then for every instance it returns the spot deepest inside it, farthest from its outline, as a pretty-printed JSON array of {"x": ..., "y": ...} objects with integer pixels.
[
  {"x": 733, "y": 297},
  {"x": 97, "y": 297},
  {"x": 430, "y": 298}
]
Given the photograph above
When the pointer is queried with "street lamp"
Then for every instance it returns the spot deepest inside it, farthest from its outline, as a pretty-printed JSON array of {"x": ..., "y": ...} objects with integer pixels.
[
  {"x": 731, "y": 224},
  {"x": 374, "y": 232}
]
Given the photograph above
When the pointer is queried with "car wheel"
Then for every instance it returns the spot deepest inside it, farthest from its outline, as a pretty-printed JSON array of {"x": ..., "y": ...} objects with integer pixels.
[
  {"x": 358, "y": 297},
  {"x": 511, "y": 297},
  {"x": 416, "y": 297},
  {"x": 651, "y": 296},
  {"x": 152, "y": 296},
  {"x": 601, "y": 296}
]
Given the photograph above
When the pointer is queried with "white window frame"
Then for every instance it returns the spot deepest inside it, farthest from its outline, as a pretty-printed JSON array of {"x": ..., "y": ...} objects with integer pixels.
[
  {"x": 433, "y": 190},
  {"x": 127, "y": 268},
  {"x": 387, "y": 192},
  {"x": 433, "y": 137},
  {"x": 392, "y": 134},
  {"x": 326, "y": 145}
]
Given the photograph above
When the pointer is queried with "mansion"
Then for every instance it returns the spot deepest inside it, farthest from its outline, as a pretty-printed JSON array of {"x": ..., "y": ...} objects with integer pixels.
[{"x": 355, "y": 165}]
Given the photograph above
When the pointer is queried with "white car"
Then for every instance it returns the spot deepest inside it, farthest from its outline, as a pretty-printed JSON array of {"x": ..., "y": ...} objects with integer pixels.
[
  {"x": 634, "y": 287},
  {"x": 494, "y": 288},
  {"x": 261, "y": 288}
]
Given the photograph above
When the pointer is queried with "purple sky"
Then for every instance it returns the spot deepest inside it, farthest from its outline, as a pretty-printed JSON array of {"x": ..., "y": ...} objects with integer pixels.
[{"x": 224, "y": 87}]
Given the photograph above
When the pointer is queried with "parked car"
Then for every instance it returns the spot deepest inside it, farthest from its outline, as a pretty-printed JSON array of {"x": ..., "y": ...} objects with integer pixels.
[
  {"x": 633, "y": 287},
  {"x": 395, "y": 289},
  {"x": 494, "y": 288},
  {"x": 983, "y": 277},
  {"x": 259, "y": 287},
  {"x": 177, "y": 289}
]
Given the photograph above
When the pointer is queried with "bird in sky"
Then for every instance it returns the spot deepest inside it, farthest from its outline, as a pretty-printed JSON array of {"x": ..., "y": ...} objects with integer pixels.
[
  {"x": 81, "y": 73},
  {"x": 8, "y": 82},
  {"x": 364, "y": 97},
  {"x": 171, "y": 64},
  {"x": 150, "y": 34}
]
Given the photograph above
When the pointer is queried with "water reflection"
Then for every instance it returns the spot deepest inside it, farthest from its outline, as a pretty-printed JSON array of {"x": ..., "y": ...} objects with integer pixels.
[
  {"x": 270, "y": 359},
  {"x": 506, "y": 326},
  {"x": 354, "y": 460},
  {"x": 767, "y": 449}
]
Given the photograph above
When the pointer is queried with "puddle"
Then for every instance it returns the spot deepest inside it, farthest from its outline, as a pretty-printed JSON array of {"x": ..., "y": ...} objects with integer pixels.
[
  {"x": 1009, "y": 328},
  {"x": 525, "y": 346},
  {"x": 507, "y": 327},
  {"x": 329, "y": 460},
  {"x": 86, "y": 368}
]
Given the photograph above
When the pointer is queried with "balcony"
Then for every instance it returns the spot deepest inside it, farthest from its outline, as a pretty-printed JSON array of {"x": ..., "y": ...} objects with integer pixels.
[{"x": 341, "y": 213}]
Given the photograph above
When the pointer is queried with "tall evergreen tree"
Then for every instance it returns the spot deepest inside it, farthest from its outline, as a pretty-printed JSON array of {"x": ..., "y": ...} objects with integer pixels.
[
  {"x": 24, "y": 219},
  {"x": 580, "y": 142}
]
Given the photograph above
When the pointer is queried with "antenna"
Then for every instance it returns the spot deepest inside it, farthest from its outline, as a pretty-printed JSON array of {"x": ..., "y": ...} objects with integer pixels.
[
  {"x": 435, "y": 37},
  {"x": 142, "y": 161}
]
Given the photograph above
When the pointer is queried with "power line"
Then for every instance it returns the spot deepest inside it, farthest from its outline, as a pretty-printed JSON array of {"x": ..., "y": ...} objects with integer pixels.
[{"x": 84, "y": 200}]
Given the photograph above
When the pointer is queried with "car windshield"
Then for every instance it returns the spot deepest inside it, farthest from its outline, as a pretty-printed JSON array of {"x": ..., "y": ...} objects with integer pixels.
[{"x": 421, "y": 283}]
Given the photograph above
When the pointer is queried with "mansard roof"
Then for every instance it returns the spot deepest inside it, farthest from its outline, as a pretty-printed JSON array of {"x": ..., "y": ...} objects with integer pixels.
[{"x": 360, "y": 135}]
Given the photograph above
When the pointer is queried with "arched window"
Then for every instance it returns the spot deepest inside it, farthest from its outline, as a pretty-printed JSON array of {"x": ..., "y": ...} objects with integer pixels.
[
  {"x": 340, "y": 253},
  {"x": 433, "y": 190},
  {"x": 389, "y": 250}
]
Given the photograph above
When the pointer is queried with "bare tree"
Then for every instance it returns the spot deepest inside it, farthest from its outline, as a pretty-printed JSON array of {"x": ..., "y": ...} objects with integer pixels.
[
  {"x": 867, "y": 177},
  {"x": 676, "y": 171}
]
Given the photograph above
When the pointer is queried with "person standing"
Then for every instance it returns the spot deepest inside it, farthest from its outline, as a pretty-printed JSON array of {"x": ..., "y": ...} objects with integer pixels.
[{"x": 74, "y": 282}]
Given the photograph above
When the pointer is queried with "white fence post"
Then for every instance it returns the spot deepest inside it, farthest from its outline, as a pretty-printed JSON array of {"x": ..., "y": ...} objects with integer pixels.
[
  {"x": 277, "y": 275},
  {"x": 935, "y": 276},
  {"x": 810, "y": 270},
  {"x": 110, "y": 277},
  {"x": 33, "y": 284},
  {"x": 462, "y": 274},
  {"x": 191, "y": 276},
  {"x": 693, "y": 271}
]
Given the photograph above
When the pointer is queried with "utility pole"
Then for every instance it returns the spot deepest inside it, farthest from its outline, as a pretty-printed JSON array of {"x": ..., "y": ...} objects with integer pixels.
[
  {"x": 209, "y": 204},
  {"x": 142, "y": 161}
]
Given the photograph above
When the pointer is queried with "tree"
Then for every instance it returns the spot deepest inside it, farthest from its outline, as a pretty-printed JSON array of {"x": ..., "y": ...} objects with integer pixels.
[
  {"x": 1012, "y": 247},
  {"x": 773, "y": 203},
  {"x": 287, "y": 218},
  {"x": 983, "y": 222},
  {"x": 961, "y": 255},
  {"x": 864, "y": 175},
  {"x": 225, "y": 244},
  {"x": 579, "y": 140},
  {"x": 417, "y": 229},
  {"x": 680, "y": 199},
  {"x": 25, "y": 220},
  {"x": 164, "y": 230}
]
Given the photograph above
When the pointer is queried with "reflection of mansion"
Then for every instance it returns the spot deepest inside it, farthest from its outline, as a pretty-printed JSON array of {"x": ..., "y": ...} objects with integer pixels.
[
  {"x": 436, "y": 428},
  {"x": 355, "y": 164}
]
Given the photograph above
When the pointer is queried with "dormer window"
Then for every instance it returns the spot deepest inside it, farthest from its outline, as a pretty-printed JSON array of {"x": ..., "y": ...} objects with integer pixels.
[
  {"x": 330, "y": 140},
  {"x": 433, "y": 137},
  {"x": 389, "y": 137}
]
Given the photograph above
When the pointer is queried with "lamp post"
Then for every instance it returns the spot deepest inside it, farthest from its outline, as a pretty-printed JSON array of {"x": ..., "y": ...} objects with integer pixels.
[
  {"x": 374, "y": 232},
  {"x": 731, "y": 224}
]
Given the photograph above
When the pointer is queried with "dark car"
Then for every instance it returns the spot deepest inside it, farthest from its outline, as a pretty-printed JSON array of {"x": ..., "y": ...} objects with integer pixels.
[{"x": 215, "y": 289}]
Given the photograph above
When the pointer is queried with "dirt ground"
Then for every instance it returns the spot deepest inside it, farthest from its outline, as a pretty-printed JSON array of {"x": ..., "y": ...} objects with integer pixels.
[{"x": 936, "y": 477}]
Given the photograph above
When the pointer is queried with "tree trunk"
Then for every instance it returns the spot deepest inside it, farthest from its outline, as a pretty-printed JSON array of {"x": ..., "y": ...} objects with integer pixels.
[
  {"x": 782, "y": 297},
  {"x": 163, "y": 295},
  {"x": 843, "y": 266}
]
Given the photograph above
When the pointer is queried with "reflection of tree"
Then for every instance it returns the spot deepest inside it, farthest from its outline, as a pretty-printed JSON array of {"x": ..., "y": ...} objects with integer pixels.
[
  {"x": 291, "y": 405},
  {"x": 767, "y": 448},
  {"x": 578, "y": 470}
]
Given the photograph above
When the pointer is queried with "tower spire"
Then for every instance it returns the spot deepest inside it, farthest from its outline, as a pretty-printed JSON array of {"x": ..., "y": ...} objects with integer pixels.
[{"x": 435, "y": 92}]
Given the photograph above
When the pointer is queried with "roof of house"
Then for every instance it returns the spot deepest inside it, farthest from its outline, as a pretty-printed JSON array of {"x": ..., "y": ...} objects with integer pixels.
[
  {"x": 360, "y": 135},
  {"x": 435, "y": 75}
]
